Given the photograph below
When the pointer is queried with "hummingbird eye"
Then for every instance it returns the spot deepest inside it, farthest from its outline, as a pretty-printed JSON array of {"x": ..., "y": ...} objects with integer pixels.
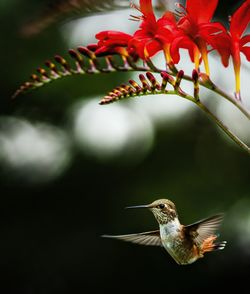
[{"x": 161, "y": 206}]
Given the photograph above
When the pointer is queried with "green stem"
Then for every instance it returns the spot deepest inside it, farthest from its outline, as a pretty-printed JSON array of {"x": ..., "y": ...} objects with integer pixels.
[
  {"x": 222, "y": 126},
  {"x": 217, "y": 90},
  {"x": 231, "y": 99},
  {"x": 209, "y": 85}
]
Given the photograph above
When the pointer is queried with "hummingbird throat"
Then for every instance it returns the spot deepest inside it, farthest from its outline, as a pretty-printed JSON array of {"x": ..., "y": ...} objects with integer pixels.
[
  {"x": 170, "y": 228},
  {"x": 165, "y": 217}
]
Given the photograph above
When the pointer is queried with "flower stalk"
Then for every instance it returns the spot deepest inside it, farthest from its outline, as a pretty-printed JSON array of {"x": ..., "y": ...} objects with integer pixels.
[
  {"x": 192, "y": 29},
  {"x": 235, "y": 138}
]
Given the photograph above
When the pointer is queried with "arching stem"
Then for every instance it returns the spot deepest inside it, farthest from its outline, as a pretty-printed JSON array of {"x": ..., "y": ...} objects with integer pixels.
[{"x": 236, "y": 139}]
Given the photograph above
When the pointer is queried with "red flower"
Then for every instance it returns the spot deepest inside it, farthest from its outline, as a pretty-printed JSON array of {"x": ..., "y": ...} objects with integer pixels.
[
  {"x": 195, "y": 31},
  {"x": 232, "y": 42},
  {"x": 111, "y": 42},
  {"x": 153, "y": 35}
]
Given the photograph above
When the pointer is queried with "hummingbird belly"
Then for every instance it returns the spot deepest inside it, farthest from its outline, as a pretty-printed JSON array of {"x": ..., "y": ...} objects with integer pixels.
[
  {"x": 182, "y": 251},
  {"x": 179, "y": 254}
]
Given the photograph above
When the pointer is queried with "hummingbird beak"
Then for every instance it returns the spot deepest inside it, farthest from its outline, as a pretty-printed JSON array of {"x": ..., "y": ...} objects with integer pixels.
[{"x": 137, "y": 206}]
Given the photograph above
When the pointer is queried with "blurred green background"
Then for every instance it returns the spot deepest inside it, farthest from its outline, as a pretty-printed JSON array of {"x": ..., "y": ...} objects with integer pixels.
[{"x": 70, "y": 166}]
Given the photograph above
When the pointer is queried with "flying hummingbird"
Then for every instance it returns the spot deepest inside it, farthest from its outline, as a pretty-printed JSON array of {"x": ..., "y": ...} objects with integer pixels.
[{"x": 185, "y": 244}]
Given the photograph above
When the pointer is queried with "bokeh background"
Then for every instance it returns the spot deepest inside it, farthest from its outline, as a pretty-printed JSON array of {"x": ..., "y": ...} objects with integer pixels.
[{"x": 68, "y": 167}]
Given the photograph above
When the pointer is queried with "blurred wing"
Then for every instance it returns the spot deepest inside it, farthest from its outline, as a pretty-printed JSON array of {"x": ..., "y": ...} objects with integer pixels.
[
  {"x": 205, "y": 228},
  {"x": 147, "y": 238},
  {"x": 63, "y": 9}
]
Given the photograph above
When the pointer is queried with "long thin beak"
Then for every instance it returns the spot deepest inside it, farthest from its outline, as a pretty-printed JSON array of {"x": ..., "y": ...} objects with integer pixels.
[{"x": 137, "y": 206}]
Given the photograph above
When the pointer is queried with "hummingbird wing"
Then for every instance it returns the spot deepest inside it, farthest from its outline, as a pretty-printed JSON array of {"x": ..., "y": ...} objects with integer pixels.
[
  {"x": 151, "y": 238},
  {"x": 204, "y": 229}
]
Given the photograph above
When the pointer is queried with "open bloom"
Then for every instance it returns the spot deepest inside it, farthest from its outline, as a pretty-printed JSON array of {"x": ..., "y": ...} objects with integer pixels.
[
  {"x": 153, "y": 35},
  {"x": 233, "y": 42},
  {"x": 195, "y": 31}
]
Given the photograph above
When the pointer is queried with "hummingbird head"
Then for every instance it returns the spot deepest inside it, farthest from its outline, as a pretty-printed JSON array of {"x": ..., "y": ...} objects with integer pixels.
[{"x": 163, "y": 209}]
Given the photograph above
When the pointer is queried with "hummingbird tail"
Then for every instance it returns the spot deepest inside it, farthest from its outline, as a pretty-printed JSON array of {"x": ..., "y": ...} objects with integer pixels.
[
  {"x": 209, "y": 245},
  {"x": 219, "y": 245}
]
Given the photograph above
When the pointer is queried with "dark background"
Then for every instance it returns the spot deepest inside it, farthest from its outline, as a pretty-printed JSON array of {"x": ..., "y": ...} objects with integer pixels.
[{"x": 50, "y": 231}]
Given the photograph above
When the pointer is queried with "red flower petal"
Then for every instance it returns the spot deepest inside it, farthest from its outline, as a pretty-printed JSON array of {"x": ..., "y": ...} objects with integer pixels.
[
  {"x": 201, "y": 10},
  {"x": 165, "y": 36},
  {"x": 111, "y": 42},
  {"x": 152, "y": 48},
  {"x": 145, "y": 47},
  {"x": 167, "y": 18},
  {"x": 240, "y": 19},
  {"x": 212, "y": 32},
  {"x": 182, "y": 42},
  {"x": 146, "y": 7},
  {"x": 244, "y": 40},
  {"x": 138, "y": 47},
  {"x": 246, "y": 52},
  {"x": 212, "y": 28},
  {"x": 222, "y": 43},
  {"x": 103, "y": 51},
  {"x": 113, "y": 37}
]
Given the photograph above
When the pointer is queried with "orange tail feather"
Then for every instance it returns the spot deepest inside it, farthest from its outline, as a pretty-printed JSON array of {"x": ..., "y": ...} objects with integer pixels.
[{"x": 208, "y": 244}]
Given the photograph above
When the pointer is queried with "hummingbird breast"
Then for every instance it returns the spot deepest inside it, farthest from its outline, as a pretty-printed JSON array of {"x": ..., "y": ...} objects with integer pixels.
[{"x": 173, "y": 240}]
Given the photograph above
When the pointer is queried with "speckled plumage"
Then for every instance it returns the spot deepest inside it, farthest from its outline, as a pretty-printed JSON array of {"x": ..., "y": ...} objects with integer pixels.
[{"x": 185, "y": 244}]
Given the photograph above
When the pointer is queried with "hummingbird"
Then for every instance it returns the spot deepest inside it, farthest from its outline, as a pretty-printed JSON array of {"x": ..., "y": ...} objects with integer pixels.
[{"x": 185, "y": 244}]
